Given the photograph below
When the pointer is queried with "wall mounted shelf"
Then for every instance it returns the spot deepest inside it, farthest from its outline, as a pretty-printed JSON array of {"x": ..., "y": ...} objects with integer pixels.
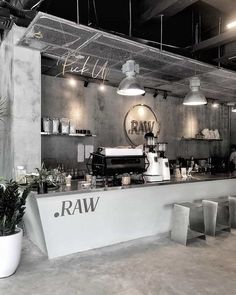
[
  {"x": 200, "y": 139},
  {"x": 67, "y": 135}
]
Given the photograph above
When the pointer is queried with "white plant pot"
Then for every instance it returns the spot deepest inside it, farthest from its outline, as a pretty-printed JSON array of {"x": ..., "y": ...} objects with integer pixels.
[{"x": 10, "y": 252}]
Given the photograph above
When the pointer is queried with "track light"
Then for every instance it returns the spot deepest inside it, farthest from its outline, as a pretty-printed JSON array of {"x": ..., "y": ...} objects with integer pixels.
[
  {"x": 86, "y": 83},
  {"x": 155, "y": 93},
  {"x": 165, "y": 95},
  {"x": 130, "y": 86},
  {"x": 215, "y": 104}
]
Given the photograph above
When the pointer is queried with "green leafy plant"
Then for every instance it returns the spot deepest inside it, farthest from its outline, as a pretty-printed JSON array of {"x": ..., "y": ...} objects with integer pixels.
[
  {"x": 12, "y": 206},
  {"x": 43, "y": 174}
]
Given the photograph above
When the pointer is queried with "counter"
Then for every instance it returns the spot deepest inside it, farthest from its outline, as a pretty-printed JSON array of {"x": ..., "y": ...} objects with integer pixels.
[
  {"x": 76, "y": 185},
  {"x": 66, "y": 222}
]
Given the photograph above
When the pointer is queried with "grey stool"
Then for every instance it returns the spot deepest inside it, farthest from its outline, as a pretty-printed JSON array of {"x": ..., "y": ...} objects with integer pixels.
[
  {"x": 187, "y": 223},
  {"x": 216, "y": 215},
  {"x": 232, "y": 211}
]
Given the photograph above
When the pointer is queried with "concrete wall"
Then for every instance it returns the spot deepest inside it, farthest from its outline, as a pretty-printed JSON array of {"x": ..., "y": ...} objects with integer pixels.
[
  {"x": 104, "y": 112},
  {"x": 20, "y": 143}
]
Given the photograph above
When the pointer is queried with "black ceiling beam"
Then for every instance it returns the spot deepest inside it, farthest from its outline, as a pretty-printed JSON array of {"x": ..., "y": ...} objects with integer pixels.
[
  {"x": 226, "y": 6},
  {"x": 218, "y": 40},
  {"x": 168, "y": 8}
]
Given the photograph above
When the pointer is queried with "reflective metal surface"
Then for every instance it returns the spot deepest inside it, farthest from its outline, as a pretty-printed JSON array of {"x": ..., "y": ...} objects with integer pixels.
[
  {"x": 187, "y": 222},
  {"x": 216, "y": 216}
]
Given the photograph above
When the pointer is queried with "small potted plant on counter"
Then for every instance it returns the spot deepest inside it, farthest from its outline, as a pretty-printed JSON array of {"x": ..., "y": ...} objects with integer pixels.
[
  {"x": 41, "y": 179},
  {"x": 12, "y": 207},
  {"x": 45, "y": 179}
]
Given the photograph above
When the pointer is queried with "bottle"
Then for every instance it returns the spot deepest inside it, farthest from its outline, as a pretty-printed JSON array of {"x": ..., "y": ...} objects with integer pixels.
[
  {"x": 192, "y": 162},
  {"x": 68, "y": 180},
  {"x": 20, "y": 174}
]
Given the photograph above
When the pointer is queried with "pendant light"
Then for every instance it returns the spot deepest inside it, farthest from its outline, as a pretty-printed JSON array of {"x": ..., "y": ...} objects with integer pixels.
[
  {"x": 130, "y": 86},
  {"x": 194, "y": 96}
]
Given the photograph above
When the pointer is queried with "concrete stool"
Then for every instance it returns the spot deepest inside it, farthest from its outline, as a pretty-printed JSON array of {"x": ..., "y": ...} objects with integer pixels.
[
  {"x": 216, "y": 215},
  {"x": 232, "y": 211},
  {"x": 188, "y": 222}
]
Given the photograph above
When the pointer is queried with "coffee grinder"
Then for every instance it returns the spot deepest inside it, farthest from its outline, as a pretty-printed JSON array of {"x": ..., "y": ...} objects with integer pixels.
[
  {"x": 163, "y": 161},
  {"x": 158, "y": 165},
  {"x": 153, "y": 172}
]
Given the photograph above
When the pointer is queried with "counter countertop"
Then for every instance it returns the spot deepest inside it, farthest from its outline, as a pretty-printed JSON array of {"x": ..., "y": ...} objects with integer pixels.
[{"x": 77, "y": 188}]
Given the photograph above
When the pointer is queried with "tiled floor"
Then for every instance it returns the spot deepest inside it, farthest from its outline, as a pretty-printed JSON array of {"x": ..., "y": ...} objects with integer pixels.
[{"x": 147, "y": 266}]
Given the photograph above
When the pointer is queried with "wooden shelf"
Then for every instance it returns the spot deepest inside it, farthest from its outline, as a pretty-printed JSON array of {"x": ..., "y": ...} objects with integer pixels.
[
  {"x": 200, "y": 139},
  {"x": 68, "y": 135}
]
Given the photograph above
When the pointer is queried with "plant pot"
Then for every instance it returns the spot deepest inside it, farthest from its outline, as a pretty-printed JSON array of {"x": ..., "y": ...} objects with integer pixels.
[
  {"x": 10, "y": 252},
  {"x": 42, "y": 188}
]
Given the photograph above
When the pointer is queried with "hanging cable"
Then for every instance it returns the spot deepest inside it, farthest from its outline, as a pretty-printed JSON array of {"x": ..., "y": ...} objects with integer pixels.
[
  {"x": 95, "y": 12},
  {"x": 219, "y": 48},
  {"x": 77, "y": 11},
  {"x": 130, "y": 18},
  {"x": 161, "y": 39}
]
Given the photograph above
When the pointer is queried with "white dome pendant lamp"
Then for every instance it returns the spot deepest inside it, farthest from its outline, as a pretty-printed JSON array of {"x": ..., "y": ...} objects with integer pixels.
[
  {"x": 130, "y": 86},
  {"x": 195, "y": 96}
]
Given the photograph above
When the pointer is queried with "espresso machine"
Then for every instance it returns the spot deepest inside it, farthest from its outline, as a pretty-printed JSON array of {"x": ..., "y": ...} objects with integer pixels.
[{"x": 157, "y": 165}]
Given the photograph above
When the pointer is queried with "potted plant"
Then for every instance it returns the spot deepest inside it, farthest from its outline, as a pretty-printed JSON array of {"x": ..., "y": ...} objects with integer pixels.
[
  {"x": 46, "y": 179},
  {"x": 12, "y": 208},
  {"x": 41, "y": 179}
]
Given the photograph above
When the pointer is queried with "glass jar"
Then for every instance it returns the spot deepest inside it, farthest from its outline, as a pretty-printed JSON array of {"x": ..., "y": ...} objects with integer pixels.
[{"x": 65, "y": 125}]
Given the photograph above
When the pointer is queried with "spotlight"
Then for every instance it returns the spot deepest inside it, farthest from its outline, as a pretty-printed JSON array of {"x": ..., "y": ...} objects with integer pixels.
[
  {"x": 231, "y": 25},
  {"x": 102, "y": 87},
  {"x": 86, "y": 83},
  {"x": 155, "y": 93},
  {"x": 72, "y": 82},
  {"x": 165, "y": 95},
  {"x": 215, "y": 105}
]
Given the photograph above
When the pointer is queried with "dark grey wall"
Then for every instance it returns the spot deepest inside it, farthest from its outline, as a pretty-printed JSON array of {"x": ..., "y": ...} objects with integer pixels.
[
  {"x": 233, "y": 128},
  {"x": 104, "y": 112}
]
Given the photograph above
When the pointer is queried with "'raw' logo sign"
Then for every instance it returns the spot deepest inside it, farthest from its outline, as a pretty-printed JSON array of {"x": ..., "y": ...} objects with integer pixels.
[
  {"x": 140, "y": 120},
  {"x": 78, "y": 206}
]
